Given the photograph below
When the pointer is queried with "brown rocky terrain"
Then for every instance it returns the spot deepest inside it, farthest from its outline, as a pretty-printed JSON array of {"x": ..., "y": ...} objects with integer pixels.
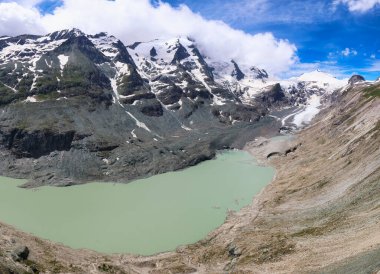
[{"x": 321, "y": 213}]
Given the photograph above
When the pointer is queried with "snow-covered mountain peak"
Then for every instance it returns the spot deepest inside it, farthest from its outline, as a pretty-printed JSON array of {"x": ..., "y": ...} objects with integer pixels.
[
  {"x": 322, "y": 80},
  {"x": 258, "y": 73},
  {"x": 163, "y": 51},
  {"x": 169, "y": 72},
  {"x": 233, "y": 71},
  {"x": 65, "y": 34},
  {"x": 107, "y": 44},
  {"x": 316, "y": 75}
]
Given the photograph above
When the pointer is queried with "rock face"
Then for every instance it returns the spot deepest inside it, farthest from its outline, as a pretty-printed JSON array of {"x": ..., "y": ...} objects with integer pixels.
[
  {"x": 37, "y": 143},
  {"x": 77, "y": 107},
  {"x": 237, "y": 73},
  {"x": 355, "y": 79},
  {"x": 274, "y": 96}
]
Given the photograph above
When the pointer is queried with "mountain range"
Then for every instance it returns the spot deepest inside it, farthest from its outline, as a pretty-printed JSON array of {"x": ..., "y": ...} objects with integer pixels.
[{"x": 77, "y": 107}]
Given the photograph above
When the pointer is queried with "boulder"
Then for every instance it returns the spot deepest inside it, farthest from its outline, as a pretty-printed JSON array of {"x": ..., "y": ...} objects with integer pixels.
[
  {"x": 234, "y": 251},
  {"x": 20, "y": 253}
]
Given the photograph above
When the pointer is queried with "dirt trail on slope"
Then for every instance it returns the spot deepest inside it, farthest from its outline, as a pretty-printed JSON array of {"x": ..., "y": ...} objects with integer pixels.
[{"x": 321, "y": 214}]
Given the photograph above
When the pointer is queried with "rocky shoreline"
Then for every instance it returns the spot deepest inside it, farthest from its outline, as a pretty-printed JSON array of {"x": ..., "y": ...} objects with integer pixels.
[{"x": 118, "y": 162}]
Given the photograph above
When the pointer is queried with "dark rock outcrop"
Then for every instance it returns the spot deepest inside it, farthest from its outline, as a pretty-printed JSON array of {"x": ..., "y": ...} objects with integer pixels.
[
  {"x": 20, "y": 253},
  {"x": 260, "y": 73},
  {"x": 153, "y": 52},
  {"x": 229, "y": 114},
  {"x": 153, "y": 109},
  {"x": 37, "y": 143},
  {"x": 237, "y": 73},
  {"x": 170, "y": 95},
  {"x": 355, "y": 79},
  {"x": 207, "y": 70},
  {"x": 123, "y": 55},
  {"x": 274, "y": 96},
  {"x": 180, "y": 54}
]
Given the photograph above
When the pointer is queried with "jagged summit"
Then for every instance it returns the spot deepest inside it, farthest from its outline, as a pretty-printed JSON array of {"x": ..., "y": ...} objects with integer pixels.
[
  {"x": 65, "y": 34},
  {"x": 259, "y": 73},
  {"x": 162, "y": 64}
]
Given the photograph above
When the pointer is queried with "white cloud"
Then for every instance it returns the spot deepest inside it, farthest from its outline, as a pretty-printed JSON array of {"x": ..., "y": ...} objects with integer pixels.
[
  {"x": 132, "y": 20},
  {"x": 349, "y": 52},
  {"x": 15, "y": 19},
  {"x": 375, "y": 67},
  {"x": 358, "y": 5},
  {"x": 373, "y": 56}
]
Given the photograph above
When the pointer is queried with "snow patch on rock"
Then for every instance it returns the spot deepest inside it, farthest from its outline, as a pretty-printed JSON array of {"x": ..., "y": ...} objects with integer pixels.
[{"x": 63, "y": 59}]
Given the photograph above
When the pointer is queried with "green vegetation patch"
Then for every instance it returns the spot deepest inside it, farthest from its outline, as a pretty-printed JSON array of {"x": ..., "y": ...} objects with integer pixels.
[
  {"x": 48, "y": 96},
  {"x": 46, "y": 84},
  {"x": 107, "y": 268},
  {"x": 7, "y": 95},
  {"x": 373, "y": 91}
]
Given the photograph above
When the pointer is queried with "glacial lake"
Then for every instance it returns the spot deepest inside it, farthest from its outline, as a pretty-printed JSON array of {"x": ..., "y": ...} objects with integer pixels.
[{"x": 144, "y": 217}]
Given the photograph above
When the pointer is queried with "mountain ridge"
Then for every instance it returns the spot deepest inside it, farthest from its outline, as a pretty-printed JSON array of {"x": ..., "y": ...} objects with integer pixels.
[{"x": 94, "y": 100}]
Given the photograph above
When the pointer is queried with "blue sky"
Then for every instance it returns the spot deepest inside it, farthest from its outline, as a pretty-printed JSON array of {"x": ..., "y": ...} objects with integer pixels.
[
  {"x": 321, "y": 31},
  {"x": 341, "y": 37}
]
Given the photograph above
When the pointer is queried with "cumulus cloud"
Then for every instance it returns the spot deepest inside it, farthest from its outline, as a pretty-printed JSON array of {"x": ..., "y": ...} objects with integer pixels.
[
  {"x": 15, "y": 19},
  {"x": 349, "y": 52},
  {"x": 132, "y": 21},
  {"x": 358, "y": 5}
]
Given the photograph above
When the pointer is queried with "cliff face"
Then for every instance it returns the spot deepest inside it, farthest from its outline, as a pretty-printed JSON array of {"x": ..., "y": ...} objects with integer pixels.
[{"x": 321, "y": 214}]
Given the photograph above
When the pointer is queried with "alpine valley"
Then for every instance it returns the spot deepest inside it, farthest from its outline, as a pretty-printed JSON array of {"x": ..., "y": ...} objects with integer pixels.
[{"x": 76, "y": 108}]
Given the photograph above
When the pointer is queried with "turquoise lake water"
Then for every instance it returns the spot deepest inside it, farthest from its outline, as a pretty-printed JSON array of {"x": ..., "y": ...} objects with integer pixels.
[{"x": 144, "y": 217}]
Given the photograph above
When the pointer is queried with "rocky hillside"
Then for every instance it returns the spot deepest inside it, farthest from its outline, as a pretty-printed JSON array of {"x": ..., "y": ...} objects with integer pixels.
[
  {"x": 321, "y": 214},
  {"x": 77, "y": 107}
]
